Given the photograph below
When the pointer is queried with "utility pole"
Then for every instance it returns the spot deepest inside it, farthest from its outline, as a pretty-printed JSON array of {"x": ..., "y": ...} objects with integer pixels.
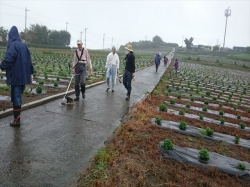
[
  {"x": 85, "y": 36},
  {"x": 103, "y": 41},
  {"x": 26, "y": 19},
  {"x": 67, "y": 26},
  {"x": 227, "y": 13}
]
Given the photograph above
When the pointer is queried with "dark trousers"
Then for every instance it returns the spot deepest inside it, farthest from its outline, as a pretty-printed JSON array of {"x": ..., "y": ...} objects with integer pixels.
[
  {"x": 16, "y": 98},
  {"x": 127, "y": 78},
  {"x": 156, "y": 66},
  {"x": 80, "y": 78}
]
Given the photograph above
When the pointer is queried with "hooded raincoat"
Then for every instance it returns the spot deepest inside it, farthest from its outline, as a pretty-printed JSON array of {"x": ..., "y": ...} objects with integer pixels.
[{"x": 17, "y": 61}]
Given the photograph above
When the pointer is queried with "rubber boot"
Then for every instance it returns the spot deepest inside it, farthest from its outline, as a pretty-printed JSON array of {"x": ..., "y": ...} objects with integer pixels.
[
  {"x": 77, "y": 91},
  {"x": 17, "y": 116},
  {"x": 83, "y": 91},
  {"x": 128, "y": 95}
]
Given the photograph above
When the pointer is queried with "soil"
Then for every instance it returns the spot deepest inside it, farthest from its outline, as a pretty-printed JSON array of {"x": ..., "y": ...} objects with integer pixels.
[{"x": 132, "y": 158}]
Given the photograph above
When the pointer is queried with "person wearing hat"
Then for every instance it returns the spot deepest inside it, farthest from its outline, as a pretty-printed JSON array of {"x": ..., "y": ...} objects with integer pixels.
[
  {"x": 19, "y": 69},
  {"x": 112, "y": 66},
  {"x": 129, "y": 72},
  {"x": 81, "y": 58}
]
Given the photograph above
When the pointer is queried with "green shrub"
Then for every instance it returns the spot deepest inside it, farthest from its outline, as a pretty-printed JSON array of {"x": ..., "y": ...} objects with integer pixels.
[
  {"x": 242, "y": 125},
  {"x": 163, "y": 107},
  {"x": 204, "y": 155},
  {"x": 172, "y": 102},
  {"x": 241, "y": 166},
  {"x": 208, "y": 93},
  {"x": 221, "y": 112},
  {"x": 206, "y": 102},
  {"x": 209, "y": 131},
  {"x": 158, "y": 120},
  {"x": 237, "y": 139},
  {"x": 181, "y": 112},
  {"x": 248, "y": 110},
  {"x": 222, "y": 121},
  {"x": 39, "y": 89},
  {"x": 220, "y": 104},
  {"x": 214, "y": 98},
  {"x": 192, "y": 98},
  {"x": 168, "y": 145},
  {"x": 57, "y": 78},
  {"x": 183, "y": 126},
  {"x": 169, "y": 90},
  {"x": 167, "y": 86}
]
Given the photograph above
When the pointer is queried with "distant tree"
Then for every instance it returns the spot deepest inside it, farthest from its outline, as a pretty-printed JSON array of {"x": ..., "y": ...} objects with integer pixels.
[
  {"x": 248, "y": 49},
  {"x": 216, "y": 48},
  {"x": 157, "y": 40},
  {"x": 3, "y": 34},
  {"x": 189, "y": 42}
]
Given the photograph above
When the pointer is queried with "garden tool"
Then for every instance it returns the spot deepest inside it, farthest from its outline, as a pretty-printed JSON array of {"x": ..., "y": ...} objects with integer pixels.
[{"x": 68, "y": 99}]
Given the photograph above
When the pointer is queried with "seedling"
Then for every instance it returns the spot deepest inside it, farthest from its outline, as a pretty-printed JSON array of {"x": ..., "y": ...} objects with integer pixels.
[
  {"x": 204, "y": 109},
  {"x": 237, "y": 139},
  {"x": 203, "y": 154},
  {"x": 172, "y": 102},
  {"x": 201, "y": 116},
  {"x": 238, "y": 116},
  {"x": 158, "y": 120},
  {"x": 222, "y": 121},
  {"x": 241, "y": 166},
  {"x": 39, "y": 89},
  {"x": 187, "y": 105},
  {"x": 206, "y": 102},
  {"x": 168, "y": 145},
  {"x": 181, "y": 112},
  {"x": 221, "y": 112},
  {"x": 163, "y": 107},
  {"x": 179, "y": 96},
  {"x": 183, "y": 126},
  {"x": 242, "y": 125}
]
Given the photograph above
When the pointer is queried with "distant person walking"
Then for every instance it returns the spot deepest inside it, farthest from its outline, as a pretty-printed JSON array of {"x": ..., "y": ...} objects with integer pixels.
[
  {"x": 18, "y": 65},
  {"x": 157, "y": 61},
  {"x": 112, "y": 68},
  {"x": 81, "y": 58},
  {"x": 176, "y": 65},
  {"x": 129, "y": 72},
  {"x": 165, "y": 60}
]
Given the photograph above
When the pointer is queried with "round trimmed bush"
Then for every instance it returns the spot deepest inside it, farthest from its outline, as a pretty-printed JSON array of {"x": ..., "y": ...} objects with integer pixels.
[{"x": 163, "y": 107}]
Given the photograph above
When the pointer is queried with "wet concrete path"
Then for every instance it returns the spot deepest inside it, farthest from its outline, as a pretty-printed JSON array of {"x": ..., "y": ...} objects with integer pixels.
[{"x": 55, "y": 143}]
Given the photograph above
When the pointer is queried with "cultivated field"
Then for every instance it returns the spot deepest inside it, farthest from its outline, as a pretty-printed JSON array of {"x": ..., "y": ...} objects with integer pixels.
[{"x": 192, "y": 130}]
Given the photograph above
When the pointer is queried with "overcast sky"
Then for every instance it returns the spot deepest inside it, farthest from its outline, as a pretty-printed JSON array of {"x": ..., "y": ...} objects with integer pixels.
[{"x": 127, "y": 21}]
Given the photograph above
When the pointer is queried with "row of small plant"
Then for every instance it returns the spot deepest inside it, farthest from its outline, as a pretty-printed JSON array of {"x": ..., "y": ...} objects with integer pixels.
[{"x": 202, "y": 155}]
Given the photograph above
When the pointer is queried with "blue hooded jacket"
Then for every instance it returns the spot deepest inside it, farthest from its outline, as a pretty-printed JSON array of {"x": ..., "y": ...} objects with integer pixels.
[{"x": 17, "y": 61}]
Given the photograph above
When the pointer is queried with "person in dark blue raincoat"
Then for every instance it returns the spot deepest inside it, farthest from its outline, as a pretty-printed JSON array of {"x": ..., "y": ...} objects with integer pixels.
[{"x": 18, "y": 65}]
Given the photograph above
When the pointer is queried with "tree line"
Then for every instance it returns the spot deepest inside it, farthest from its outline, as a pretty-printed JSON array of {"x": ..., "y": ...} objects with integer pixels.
[
  {"x": 156, "y": 42},
  {"x": 40, "y": 35}
]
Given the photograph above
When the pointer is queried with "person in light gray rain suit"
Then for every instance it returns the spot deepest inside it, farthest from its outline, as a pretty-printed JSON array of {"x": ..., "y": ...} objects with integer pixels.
[
  {"x": 18, "y": 65},
  {"x": 81, "y": 58},
  {"x": 112, "y": 68}
]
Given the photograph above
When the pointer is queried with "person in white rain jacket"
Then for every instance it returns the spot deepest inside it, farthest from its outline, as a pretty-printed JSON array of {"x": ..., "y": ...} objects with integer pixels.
[{"x": 112, "y": 68}]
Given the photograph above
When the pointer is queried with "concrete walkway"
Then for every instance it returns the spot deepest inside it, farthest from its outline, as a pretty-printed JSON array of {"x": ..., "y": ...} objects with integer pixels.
[{"x": 55, "y": 143}]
